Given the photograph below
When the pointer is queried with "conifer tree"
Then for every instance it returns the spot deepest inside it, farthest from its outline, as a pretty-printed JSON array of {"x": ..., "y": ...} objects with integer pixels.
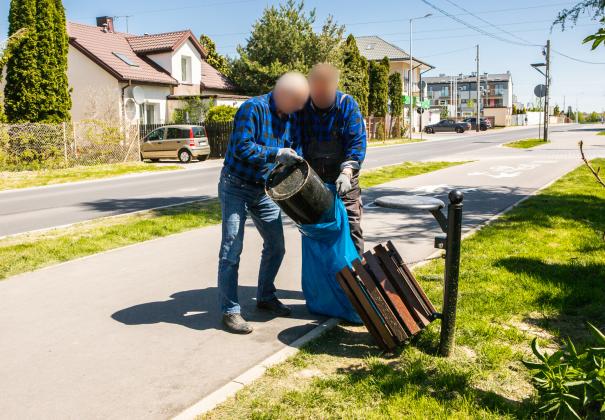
[
  {"x": 62, "y": 91},
  {"x": 354, "y": 75},
  {"x": 379, "y": 87},
  {"x": 21, "y": 92},
  {"x": 214, "y": 58}
]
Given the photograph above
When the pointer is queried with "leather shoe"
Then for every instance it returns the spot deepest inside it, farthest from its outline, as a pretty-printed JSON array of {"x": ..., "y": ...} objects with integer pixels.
[
  {"x": 275, "y": 307},
  {"x": 236, "y": 324}
]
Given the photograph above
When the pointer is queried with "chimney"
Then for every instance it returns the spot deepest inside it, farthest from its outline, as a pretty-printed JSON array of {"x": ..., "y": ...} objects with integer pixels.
[{"x": 105, "y": 22}]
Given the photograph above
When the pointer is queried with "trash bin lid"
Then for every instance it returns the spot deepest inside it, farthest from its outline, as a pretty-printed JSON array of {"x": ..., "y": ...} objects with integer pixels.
[{"x": 410, "y": 202}]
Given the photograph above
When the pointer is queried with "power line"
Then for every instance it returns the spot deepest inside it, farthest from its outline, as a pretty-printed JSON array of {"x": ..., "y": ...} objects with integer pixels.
[
  {"x": 577, "y": 59},
  {"x": 475, "y": 28},
  {"x": 489, "y": 23}
]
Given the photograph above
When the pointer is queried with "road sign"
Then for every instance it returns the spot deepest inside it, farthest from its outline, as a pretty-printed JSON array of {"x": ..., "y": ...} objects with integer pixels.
[
  {"x": 420, "y": 110},
  {"x": 540, "y": 91},
  {"x": 421, "y": 85},
  {"x": 426, "y": 104}
]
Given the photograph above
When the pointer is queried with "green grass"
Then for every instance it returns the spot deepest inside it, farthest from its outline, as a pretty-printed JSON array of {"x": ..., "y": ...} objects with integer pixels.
[
  {"x": 601, "y": 133},
  {"x": 31, "y": 251},
  {"x": 536, "y": 271},
  {"x": 373, "y": 177},
  {"x": 390, "y": 142},
  {"x": 28, "y": 252},
  {"x": 25, "y": 179},
  {"x": 525, "y": 143}
]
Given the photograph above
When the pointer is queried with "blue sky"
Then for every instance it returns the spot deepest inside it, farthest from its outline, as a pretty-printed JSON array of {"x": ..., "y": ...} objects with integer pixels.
[{"x": 229, "y": 22}]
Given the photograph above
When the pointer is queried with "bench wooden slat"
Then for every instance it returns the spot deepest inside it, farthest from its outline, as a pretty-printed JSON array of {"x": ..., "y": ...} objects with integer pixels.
[
  {"x": 382, "y": 306},
  {"x": 411, "y": 297},
  {"x": 390, "y": 293},
  {"x": 410, "y": 276},
  {"x": 374, "y": 319}
]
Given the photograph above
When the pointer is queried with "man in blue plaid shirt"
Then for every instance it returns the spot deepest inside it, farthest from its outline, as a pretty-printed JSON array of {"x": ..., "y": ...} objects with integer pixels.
[
  {"x": 263, "y": 135},
  {"x": 333, "y": 137}
]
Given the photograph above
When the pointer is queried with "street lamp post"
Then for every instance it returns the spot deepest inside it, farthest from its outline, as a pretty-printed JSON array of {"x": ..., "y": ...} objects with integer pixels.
[{"x": 411, "y": 77}]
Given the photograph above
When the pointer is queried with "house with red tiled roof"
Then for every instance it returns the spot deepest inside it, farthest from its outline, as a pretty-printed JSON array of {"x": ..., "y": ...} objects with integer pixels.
[{"x": 144, "y": 78}]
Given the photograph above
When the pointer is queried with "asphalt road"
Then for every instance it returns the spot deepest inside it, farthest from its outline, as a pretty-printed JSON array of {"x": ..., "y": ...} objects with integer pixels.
[{"x": 40, "y": 208}]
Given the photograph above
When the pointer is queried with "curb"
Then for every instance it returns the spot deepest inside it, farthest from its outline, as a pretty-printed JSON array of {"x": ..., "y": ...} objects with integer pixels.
[{"x": 210, "y": 401}]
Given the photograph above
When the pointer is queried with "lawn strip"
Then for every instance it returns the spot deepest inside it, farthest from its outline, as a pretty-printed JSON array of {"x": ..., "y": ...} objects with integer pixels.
[
  {"x": 28, "y": 252},
  {"x": 25, "y": 179},
  {"x": 535, "y": 272},
  {"x": 372, "y": 177},
  {"x": 391, "y": 142},
  {"x": 525, "y": 143}
]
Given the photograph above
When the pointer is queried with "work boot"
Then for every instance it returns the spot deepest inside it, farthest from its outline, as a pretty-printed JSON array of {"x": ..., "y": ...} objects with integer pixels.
[
  {"x": 275, "y": 307},
  {"x": 236, "y": 324}
]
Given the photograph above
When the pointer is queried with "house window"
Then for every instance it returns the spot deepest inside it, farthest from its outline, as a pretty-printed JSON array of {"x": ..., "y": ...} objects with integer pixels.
[
  {"x": 186, "y": 69},
  {"x": 149, "y": 113}
]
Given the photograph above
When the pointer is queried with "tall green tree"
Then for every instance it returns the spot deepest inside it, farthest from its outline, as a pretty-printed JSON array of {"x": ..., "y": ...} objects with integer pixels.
[
  {"x": 283, "y": 39},
  {"x": 62, "y": 91},
  {"x": 354, "y": 74},
  {"x": 379, "y": 87},
  {"x": 21, "y": 92},
  {"x": 213, "y": 58},
  {"x": 37, "y": 88},
  {"x": 395, "y": 94}
]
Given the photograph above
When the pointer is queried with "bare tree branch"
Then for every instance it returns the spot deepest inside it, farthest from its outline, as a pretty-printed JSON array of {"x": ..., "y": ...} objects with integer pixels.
[{"x": 594, "y": 171}]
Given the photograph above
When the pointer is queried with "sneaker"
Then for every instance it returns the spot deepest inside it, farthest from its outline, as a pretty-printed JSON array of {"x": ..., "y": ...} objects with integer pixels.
[
  {"x": 274, "y": 306},
  {"x": 236, "y": 324}
]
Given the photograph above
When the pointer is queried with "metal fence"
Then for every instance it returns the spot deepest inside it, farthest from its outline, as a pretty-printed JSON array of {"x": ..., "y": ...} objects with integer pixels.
[
  {"x": 40, "y": 146},
  {"x": 219, "y": 134}
]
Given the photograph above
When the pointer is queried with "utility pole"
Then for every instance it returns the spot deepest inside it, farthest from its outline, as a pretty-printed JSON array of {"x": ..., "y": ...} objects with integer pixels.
[
  {"x": 546, "y": 98},
  {"x": 411, "y": 78},
  {"x": 478, "y": 120}
]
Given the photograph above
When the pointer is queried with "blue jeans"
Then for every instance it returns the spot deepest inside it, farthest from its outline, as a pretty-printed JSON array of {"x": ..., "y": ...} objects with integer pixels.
[{"x": 237, "y": 199}]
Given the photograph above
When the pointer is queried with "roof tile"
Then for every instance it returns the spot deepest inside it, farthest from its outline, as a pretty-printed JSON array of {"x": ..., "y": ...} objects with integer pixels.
[{"x": 102, "y": 45}]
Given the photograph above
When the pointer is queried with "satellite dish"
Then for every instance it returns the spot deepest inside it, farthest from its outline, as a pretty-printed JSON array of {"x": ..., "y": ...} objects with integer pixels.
[
  {"x": 540, "y": 91},
  {"x": 138, "y": 94},
  {"x": 130, "y": 109}
]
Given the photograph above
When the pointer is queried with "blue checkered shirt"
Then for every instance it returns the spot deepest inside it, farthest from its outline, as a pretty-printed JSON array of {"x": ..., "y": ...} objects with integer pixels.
[
  {"x": 258, "y": 134},
  {"x": 343, "y": 119}
]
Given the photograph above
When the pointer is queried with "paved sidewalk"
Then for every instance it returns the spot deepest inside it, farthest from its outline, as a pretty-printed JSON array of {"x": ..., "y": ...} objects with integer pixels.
[{"x": 135, "y": 333}]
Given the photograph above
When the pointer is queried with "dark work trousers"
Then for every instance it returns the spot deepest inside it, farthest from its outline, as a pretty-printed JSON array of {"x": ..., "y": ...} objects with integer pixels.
[{"x": 354, "y": 206}]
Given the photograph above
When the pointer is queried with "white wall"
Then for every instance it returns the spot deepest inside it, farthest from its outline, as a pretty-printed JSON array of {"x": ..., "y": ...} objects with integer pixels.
[
  {"x": 196, "y": 63},
  {"x": 154, "y": 95},
  {"x": 164, "y": 60},
  {"x": 95, "y": 93}
]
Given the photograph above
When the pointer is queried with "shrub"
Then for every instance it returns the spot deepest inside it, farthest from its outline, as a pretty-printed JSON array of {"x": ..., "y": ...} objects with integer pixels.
[
  {"x": 571, "y": 383},
  {"x": 221, "y": 113}
]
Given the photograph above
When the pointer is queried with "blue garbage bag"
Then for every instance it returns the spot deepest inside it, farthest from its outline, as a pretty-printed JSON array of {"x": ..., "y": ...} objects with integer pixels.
[{"x": 326, "y": 249}]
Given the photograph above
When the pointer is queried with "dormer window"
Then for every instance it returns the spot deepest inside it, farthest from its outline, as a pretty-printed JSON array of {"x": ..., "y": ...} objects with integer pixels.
[{"x": 186, "y": 69}]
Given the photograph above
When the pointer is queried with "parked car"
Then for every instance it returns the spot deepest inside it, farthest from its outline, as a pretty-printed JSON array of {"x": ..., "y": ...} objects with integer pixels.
[
  {"x": 448, "y": 125},
  {"x": 182, "y": 142},
  {"x": 483, "y": 125}
]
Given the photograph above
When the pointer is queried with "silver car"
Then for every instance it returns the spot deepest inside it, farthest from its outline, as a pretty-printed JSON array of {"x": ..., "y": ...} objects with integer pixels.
[{"x": 182, "y": 142}]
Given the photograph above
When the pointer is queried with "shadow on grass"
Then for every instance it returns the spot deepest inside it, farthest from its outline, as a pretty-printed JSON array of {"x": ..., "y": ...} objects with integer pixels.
[{"x": 408, "y": 372}]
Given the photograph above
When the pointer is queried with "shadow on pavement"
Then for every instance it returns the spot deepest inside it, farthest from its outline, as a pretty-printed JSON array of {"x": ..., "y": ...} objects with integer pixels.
[
  {"x": 127, "y": 205},
  {"x": 198, "y": 309}
]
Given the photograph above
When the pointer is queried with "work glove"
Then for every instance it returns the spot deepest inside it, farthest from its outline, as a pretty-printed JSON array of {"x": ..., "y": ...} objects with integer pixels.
[
  {"x": 287, "y": 156},
  {"x": 343, "y": 182}
]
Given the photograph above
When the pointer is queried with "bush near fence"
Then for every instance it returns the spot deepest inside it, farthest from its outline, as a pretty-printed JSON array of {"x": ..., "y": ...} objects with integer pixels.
[{"x": 33, "y": 146}]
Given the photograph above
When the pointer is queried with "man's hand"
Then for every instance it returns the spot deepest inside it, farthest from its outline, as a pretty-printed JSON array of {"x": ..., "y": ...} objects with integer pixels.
[
  {"x": 287, "y": 157},
  {"x": 343, "y": 182}
]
